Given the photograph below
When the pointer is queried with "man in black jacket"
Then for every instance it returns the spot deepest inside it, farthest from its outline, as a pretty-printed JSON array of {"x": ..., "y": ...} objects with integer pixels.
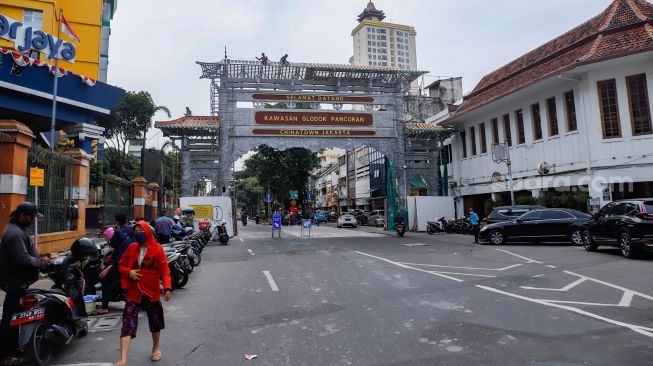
[{"x": 19, "y": 268}]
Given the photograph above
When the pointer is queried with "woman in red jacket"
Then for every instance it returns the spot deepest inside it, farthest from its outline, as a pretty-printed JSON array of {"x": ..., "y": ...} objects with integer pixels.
[{"x": 142, "y": 268}]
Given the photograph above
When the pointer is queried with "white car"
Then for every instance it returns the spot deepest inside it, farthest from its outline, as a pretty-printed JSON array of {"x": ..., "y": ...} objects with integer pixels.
[{"x": 347, "y": 220}]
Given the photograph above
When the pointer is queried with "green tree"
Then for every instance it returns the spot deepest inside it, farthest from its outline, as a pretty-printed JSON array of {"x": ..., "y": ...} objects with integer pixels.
[
  {"x": 130, "y": 119},
  {"x": 120, "y": 164},
  {"x": 281, "y": 171}
]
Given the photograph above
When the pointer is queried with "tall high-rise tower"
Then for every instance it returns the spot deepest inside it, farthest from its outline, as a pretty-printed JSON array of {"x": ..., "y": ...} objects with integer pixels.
[{"x": 379, "y": 43}]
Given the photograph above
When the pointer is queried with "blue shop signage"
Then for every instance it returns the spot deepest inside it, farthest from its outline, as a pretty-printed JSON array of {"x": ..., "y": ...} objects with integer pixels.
[{"x": 26, "y": 38}]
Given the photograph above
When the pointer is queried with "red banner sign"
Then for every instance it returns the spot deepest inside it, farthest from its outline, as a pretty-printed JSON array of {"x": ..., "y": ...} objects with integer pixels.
[
  {"x": 312, "y": 98},
  {"x": 313, "y": 133},
  {"x": 313, "y": 118}
]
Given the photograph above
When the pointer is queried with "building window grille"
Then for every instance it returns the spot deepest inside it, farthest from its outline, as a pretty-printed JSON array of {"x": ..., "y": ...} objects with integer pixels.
[
  {"x": 609, "y": 108},
  {"x": 495, "y": 131},
  {"x": 519, "y": 121},
  {"x": 537, "y": 122},
  {"x": 640, "y": 112},
  {"x": 507, "y": 133},
  {"x": 570, "y": 109},
  {"x": 463, "y": 144},
  {"x": 483, "y": 138},
  {"x": 34, "y": 19},
  {"x": 472, "y": 137},
  {"x": 552, "y": 112}
]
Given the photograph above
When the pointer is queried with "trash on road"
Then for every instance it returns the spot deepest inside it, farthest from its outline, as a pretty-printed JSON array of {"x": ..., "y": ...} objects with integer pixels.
[
  {"x": 415, "y": 245},
  {"x": 250, "y": 357}
]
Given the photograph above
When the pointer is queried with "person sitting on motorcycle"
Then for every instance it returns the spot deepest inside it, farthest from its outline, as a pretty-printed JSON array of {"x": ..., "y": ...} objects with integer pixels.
[
  {"x": 399, "y": 218},
  {"x": 110, "y": 276},
  {"x": 19, "y": 268},
  {"x": 143, "y": 267},
  {"x": 177, "y": 229},
  {"x": 163, "y": 226}
]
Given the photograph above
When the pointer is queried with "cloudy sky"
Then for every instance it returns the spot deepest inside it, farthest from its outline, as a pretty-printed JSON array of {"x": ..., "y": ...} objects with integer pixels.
[{"x": 154, "y": 44}]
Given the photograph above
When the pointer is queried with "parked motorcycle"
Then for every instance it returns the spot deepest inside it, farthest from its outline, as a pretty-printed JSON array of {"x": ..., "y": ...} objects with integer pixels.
[
  {"x": 52, "y": 318},
  {"x": 440, "y": 225},
  {"x": 221, "y": 231}
]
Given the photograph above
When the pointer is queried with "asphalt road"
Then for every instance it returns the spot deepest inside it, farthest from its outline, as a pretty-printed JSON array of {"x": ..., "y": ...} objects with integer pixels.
[{"x": 359, "y": 297}]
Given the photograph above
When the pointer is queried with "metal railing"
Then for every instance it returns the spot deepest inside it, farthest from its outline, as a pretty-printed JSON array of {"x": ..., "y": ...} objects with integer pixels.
[{"x": 55, "y": 196}]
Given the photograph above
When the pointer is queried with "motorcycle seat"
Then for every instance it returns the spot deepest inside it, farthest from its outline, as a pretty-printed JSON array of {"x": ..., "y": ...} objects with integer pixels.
[{"x": 48, "y": 291}]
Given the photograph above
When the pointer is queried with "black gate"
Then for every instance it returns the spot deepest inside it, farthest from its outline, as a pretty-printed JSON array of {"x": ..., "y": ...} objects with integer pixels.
[{"x": 55, "y": 196}]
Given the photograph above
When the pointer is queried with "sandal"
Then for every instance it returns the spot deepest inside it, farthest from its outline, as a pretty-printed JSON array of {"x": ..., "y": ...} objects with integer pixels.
[
  {"x": 156, "y": 356},
  {"x": 99, "y": 312},
  {"x": 13, "y": 361}
]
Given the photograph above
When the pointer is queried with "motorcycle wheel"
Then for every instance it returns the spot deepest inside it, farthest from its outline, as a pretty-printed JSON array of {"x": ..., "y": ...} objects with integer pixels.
[
  {"x": 431, "y": 230},
  {"x": 199, "y": 258},
  {"x": 183, "y": 280},
  {"x": 39, "y": 351},
  {"x": 224, "y": 239}
]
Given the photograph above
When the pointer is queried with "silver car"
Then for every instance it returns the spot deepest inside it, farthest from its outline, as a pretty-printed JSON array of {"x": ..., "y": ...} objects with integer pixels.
[
  {"x": 347, "y": 220},
  {"x": 377, "y": 218}
]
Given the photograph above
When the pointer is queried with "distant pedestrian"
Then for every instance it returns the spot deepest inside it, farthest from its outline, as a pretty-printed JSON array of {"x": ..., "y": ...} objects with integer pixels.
[
  {"x": 263, "y": 59},
  {"x": 473, "y": 219},
  {"x": 143, "y": 267},
  {"x": 284, "y": 60}
]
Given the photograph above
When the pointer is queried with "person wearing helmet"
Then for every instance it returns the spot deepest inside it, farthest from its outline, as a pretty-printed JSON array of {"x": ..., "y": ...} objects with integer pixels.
[
  {"x": 19, "y": 268},
  {"x": 143, "y": 267},
  {"x": 110, "y": 276}
]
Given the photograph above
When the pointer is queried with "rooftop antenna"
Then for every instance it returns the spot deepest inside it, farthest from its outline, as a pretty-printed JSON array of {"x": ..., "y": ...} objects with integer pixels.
[{"x": 225, "y": 52}]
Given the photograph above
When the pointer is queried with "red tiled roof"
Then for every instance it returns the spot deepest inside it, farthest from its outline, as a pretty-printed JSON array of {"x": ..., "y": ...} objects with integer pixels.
[
  {"x": 624, "y": 28},
  {"x": 189, "y": 122}
]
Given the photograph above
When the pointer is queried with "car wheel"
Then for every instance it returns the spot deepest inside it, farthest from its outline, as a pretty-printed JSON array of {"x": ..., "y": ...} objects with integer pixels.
[
  {"x": 626, "y": 246},
  {"x": 354, "y": 226},
  {"x": 588, "y": 242},
  {"x": 496, "y": 237},
  {"x": 576, "y": 237}
]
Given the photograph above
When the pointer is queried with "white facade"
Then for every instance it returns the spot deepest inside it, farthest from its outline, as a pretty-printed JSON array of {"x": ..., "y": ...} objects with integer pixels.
[{"x": 577, "y": 157}]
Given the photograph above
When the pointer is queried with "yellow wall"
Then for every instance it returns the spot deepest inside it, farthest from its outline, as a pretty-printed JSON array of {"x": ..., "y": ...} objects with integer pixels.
[{"x": 84, "y": 16}]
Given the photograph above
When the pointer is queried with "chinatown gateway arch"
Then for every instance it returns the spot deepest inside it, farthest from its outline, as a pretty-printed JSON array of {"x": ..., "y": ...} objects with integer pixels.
[{"x": 366, "y": 106}]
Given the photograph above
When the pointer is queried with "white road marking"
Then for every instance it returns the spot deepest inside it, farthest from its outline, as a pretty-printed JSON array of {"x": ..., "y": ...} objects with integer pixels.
[
  {"x": 539, "y": 275},
  {"x": 528, "y": 260},
  {"x": 473, "y": 268},
  {"x": 635, "y": 328},
  {"x": 581, "y": 303},
  {"x": 550, "y": 266},
  {"x": 409, "y": 267},
  {"x": 464, "y": 274},
  {"x": 627, "y": 298},
  {"x": 273, "y": 285},
  {"x": 250, "y": 252},
  {"x": 415, "y": 245},
  {"x": 241, "y": 239},
  {"x": 564, "y": 289},
  {"x": 628, "y": 293}
]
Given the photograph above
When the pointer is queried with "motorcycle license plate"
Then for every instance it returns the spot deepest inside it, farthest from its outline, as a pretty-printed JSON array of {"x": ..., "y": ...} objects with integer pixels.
[{"x": 28, "y": 316}]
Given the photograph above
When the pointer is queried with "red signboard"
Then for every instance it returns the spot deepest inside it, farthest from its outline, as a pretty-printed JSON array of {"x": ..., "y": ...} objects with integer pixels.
[
  {"x": 313, "y": 118},
  {"x": 312, "y": 98},
  {"x": 313, "y": 133}
]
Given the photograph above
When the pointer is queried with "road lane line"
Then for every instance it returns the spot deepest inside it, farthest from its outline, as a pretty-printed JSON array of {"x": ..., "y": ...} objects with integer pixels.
[
  {"x": 550, "y": 266},
  {"x": 635, "y": 328},
  {"x": 409, "y": 267},
  {"x": 539, "y": 275},
  {"x": 564, "y": 289},
  {"x": 273, "y": 285},
  {"x": 519, "y": 256},
  {"x": 581, "y": 303},
  {"x": 627, "y": 298},
  {"x": 441, "y": 266},
  {"x": 250, "y": 252}
]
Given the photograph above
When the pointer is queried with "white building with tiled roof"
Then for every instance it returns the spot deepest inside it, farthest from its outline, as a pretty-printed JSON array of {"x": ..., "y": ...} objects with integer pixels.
[{"x": 580, "y": 103}]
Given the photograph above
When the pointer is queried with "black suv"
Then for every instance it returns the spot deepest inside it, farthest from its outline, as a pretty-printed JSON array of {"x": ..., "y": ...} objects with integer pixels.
[
  {"x": 627, "y": 225},
  {"x": 509, "y": 213}
]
